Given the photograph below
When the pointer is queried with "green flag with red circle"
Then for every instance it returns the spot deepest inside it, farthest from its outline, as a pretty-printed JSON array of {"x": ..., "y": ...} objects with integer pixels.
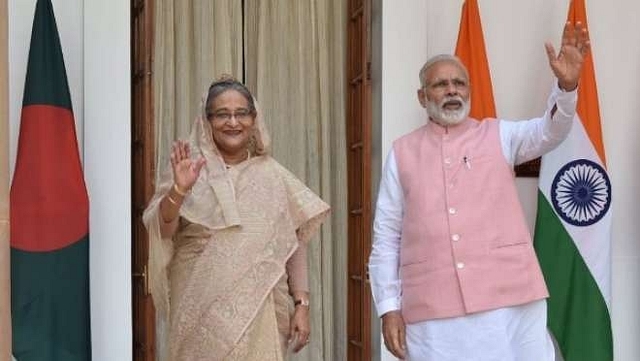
[{"x": 49, "y": 212}]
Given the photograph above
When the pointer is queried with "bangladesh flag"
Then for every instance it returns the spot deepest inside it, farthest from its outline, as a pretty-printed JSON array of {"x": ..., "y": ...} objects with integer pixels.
[
  {"x": 49, "y": 212},
  {"x": 573, "y": 228}
]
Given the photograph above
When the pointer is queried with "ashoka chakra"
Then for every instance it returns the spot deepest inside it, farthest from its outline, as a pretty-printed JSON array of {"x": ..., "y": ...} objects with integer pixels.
[{"x": 581, "y": 192}]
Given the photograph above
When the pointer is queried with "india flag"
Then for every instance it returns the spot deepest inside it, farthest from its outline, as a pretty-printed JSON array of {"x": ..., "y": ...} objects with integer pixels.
[
  {"x": 573, "y": 228},
  {"x": 471, "y": 51}
]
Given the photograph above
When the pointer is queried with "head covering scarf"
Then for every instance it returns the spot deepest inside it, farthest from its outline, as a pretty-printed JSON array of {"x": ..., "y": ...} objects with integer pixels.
[{"x": 213, "y": 192}]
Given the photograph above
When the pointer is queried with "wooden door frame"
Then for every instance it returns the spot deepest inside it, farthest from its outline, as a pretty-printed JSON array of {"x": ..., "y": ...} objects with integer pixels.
[
  {"x": 142, "y": 174},
  {"x": 359, "y": 147}
]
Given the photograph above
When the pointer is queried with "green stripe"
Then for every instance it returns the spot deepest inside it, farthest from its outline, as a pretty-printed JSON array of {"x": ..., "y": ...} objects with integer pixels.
[
  {"x": 577, "y": 313},
  {"x": 46, "y": 81},
  {"x": 50, "y": 304}
]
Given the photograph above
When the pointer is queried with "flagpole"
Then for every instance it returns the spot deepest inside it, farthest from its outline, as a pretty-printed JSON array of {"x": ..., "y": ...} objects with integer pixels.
[{"x": 5, "y": 309}]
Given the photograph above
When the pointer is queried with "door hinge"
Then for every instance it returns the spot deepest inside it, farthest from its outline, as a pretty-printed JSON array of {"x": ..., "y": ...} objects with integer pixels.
[{"x": 144, "y": 275}]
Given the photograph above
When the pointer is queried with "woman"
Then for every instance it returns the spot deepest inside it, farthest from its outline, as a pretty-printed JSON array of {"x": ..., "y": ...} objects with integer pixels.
[{"x": 228, "y": 229}]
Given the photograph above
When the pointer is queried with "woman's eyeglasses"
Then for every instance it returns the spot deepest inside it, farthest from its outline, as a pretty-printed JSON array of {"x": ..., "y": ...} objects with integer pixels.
[{"x": 223, "y": 116}]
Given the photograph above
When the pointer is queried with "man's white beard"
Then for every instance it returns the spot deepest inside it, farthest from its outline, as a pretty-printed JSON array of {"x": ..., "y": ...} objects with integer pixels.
[{"x": 439, "y": 114}]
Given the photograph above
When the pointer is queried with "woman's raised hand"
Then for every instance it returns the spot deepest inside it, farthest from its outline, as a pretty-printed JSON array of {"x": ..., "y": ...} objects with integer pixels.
[{"x": 185, "y": 170}]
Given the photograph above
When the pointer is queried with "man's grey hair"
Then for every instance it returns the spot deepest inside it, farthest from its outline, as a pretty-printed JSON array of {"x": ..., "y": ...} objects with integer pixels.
[{"x": 437, "y": 59}]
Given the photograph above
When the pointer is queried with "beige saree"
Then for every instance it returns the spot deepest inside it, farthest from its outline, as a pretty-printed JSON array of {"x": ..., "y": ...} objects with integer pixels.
[{"x": 219, "y": 284}]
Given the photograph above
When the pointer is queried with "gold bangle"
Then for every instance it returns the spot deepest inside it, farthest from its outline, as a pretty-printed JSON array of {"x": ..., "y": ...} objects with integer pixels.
[
  {"x": 172, "y": 200},
  {"x": 179, "y": 191}
]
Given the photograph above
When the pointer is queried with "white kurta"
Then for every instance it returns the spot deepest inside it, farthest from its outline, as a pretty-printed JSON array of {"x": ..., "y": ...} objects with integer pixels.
[{"x": 512, "y": 333}]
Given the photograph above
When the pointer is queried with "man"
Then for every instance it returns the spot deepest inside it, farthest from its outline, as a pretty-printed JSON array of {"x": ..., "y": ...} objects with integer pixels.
[{"x": 453, "y": 270}]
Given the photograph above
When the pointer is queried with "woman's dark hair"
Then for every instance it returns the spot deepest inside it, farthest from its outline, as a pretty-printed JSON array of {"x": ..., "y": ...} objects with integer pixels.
[{"x": 225, "y": 83}]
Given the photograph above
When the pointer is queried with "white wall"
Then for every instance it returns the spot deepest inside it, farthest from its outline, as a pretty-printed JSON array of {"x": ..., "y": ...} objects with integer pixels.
[
  {"x": 107, "y": 146},
  {"x": 95, "y": 42},
  {"x": 515, "y": 32}
]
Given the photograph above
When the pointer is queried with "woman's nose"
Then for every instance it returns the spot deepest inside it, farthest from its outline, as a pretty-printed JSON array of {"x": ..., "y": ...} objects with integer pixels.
[{"x": 233, "y": 121}]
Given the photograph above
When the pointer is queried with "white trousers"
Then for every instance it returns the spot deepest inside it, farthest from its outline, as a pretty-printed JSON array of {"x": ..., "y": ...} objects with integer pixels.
[{"x": 517, "y": 333}]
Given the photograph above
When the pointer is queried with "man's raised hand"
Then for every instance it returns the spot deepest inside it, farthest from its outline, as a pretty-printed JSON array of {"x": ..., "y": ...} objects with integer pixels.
[{"x": 567, "y": 64}]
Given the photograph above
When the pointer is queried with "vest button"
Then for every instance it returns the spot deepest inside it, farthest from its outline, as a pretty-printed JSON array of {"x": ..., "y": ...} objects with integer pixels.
[
  {"x": 452, "y": 210},
  {"x": 455, "y": 237},
  {"x": 460, "y": 265},
  {"x": 447, "y": 161}
]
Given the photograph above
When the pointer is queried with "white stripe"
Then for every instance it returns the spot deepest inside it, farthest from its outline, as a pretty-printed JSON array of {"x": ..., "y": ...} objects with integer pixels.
[{"x": 594, "y": 241}]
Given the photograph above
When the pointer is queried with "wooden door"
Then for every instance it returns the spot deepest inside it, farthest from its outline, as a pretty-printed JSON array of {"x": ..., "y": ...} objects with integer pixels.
[
  {"x": 359, "y": 179},
  {"x": 143, "y": 174}
]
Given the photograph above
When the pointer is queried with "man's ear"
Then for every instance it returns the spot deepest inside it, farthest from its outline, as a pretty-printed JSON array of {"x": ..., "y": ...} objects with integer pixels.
[{"x": 422, "y": 97}]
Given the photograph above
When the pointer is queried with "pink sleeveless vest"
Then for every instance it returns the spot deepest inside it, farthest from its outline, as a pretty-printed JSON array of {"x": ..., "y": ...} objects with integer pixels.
[{"x": 465, "y": 244}]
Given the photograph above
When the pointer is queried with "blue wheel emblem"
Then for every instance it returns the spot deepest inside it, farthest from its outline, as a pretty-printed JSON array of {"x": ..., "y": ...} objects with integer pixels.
[{"x": 581, "y": 192}]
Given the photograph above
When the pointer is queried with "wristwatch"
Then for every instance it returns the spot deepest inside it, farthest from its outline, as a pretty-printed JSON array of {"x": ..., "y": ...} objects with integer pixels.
[{"x": 301, "y": 302}]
